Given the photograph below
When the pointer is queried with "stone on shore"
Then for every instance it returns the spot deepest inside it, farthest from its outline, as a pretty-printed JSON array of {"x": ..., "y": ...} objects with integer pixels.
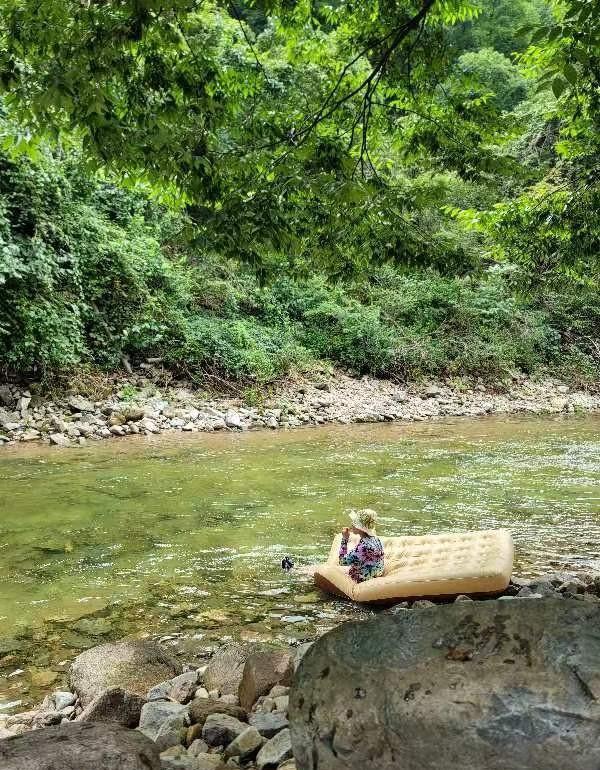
[
  {"x": 80, "y": 404},
  {"x": 245, "y": 745},
  {"x": 263, "y": 670},
  {"x": 164, "y": 722},
  {"x": 276, "y": 751},
  {"x": 201, "y": 708},
  {"x": 114, "y": 705},
  {"x": 268, "y": 725},
  {"x": 77, "y": 746},
  {"x": 225, "y": 669},
  {"x": 496, "y": 685},
  {"x": 222, "y": 729},
  {"x": 132, "y": 665}
]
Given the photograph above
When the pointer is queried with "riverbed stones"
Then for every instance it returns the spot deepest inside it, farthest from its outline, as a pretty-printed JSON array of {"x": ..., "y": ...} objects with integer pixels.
[
  {"x": 134, "y": 665},
  {"x": 114, "y": 705},
  {"x": 226, "y": 668},
  {"x": 77, "y": 746},
  {"x": 263, "y": 670},
  {"x": 275, "y": 751},
  {"x": 201, "y": 708},
  {"x": 62, "y": 699},
  {"x": 501, "y": 686},
  {"x": 221, "y": 729}
]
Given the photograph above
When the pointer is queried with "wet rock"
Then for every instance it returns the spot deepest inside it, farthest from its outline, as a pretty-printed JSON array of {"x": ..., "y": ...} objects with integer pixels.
[
  {"x": 94, "y": 626},
  {"x": 268, "y": 725},
  {"x": 275, "y": 751},
  {"x": 502, "y": 685},
  {"x": 74, "y": 746},
  {"x": 463, "y": 598},
  {"x": 221, "y": 729},
  {"x": 133, "y": 665},
  {"x": 114, "y": 705},
  {"x": 201, "y": 708},
  {"x": 80, "y": 404},
  {"x": 245, "y": 745},
  {"x": 262, "y": 671}
]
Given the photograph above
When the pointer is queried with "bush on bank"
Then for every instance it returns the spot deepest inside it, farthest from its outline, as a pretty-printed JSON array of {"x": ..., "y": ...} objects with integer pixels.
[{"x": 90, "y": 273}]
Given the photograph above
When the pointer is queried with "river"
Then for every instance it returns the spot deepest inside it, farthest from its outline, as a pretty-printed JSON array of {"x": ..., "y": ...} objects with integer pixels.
[{"x": 182, "y": 537}]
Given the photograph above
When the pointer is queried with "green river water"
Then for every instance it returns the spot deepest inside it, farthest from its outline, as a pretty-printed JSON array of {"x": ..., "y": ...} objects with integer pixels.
[{"x": 181, "y": 536}]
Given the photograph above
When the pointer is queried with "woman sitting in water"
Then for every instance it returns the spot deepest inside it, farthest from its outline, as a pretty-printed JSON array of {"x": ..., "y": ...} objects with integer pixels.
[{"x": 366, "y": 560}]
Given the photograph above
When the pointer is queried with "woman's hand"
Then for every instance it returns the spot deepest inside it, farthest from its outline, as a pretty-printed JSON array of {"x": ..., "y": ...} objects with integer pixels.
[{"x": 345, "y": 533}]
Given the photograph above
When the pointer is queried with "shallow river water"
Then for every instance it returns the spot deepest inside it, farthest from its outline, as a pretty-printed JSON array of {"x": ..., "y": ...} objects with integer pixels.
[{"x": 182, "y": 535}]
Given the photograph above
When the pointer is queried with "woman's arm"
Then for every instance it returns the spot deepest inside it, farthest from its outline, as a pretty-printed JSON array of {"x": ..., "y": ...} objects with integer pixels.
[{"x": 354, "y": 557}]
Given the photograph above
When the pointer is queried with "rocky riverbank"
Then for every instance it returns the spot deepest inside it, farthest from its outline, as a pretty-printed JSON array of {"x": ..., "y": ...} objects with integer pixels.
[
  {"x": 137, "y": 406},
  {"x": 232, "y": 711}
]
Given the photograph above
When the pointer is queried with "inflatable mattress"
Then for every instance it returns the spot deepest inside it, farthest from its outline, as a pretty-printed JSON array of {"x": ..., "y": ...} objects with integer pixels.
[{"x": 427, "y": 566}]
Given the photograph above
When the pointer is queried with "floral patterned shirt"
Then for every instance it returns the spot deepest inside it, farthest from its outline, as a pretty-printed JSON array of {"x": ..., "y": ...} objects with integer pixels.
[{"x": 365, "y": 561}]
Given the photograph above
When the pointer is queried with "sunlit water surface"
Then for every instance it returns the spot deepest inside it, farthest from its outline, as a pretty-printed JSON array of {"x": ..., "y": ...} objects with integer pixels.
[{"x": 183, "y": 536}]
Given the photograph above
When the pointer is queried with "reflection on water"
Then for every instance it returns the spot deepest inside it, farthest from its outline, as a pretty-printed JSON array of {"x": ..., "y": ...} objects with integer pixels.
[{"x": 185, "y": 534}]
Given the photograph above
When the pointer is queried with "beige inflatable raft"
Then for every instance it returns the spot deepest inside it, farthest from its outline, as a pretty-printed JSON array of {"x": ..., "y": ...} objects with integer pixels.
[{"x": 432, "y": 565}]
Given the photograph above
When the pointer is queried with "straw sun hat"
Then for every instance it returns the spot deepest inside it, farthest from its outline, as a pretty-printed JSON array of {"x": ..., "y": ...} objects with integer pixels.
[{"x": 365, "y": 520}]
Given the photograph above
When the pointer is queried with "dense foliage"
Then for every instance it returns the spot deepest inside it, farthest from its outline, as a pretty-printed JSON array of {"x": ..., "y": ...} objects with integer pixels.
[{"x": 408, "y": 189}]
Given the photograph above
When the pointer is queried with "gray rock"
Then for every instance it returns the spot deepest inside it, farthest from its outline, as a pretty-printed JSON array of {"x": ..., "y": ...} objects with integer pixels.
[
  {"x": 276, "y": 751},
  {"x": 80, "y": 404},
  {"x": 133, "y": 665},
  {"x": 463, "y": 598},
  {"x": 422, "y": 604},
  {"x": 197, "y": 747},
  {"x": 75, "y": 746},
  {"x": 59, "y": 440},
  {"x": 201, "y": 708},
  {"x": 163, "y": 719},
  {"x": 225, "y": 669},
  {"x": 233, "y": 420},
  {"x": 543, "y": 587},
  {"x": 499, "y": 685},
  {"x": 282, "y": 703},
  {"x": 114, "y": 705},
  {"x": 62, "y": 699},
  {"x": 176, "y": 758},
  {"x": 4, "y": 733},
  {"x": 268, "y": 725},
  {"x": 221, "y": 729},
  {"x": 573, "y": 586},
  {"x": 184, "y": 686},
  {"x": 160, "y": 691},
  {"x": 245, "y": 745},
  {"x": 262, "y": 671}
]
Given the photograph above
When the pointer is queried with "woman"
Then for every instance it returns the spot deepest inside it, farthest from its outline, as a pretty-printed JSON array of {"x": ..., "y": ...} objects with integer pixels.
[{"x": 366, "y": 560}]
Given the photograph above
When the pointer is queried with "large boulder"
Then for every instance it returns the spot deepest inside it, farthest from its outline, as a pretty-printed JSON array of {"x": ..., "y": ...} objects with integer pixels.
[
  {"x": 500, "y": 685},
  {"x": 225, "y": 669},
  {"x": 263, "y": 670},
  {"x": 79, "y": 746},
  {"x": 132, "y": 665}
]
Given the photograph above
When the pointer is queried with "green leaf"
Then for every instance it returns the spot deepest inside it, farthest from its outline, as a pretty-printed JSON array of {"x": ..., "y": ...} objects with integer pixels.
[
  {"x": 558, "y": 86},
  {"x": 570, "y": 73}
]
